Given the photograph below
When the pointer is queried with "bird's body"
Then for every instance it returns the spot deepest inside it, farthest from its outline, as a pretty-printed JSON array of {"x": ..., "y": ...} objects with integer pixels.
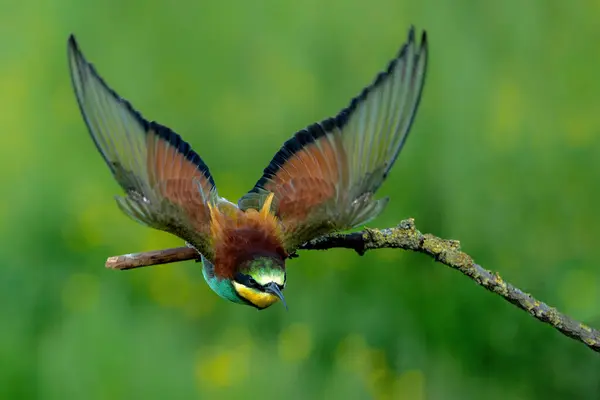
[
  {"x": 245, "y": 240},
  {"x": 322, "y": 180}
]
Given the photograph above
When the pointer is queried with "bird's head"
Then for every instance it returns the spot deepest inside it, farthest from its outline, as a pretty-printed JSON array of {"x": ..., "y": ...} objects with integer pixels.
[{"x": 260, "y": 281}]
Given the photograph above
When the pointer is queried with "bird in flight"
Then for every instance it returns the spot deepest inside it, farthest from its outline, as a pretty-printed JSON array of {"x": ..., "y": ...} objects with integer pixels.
[{"x": 322, "y": 180}]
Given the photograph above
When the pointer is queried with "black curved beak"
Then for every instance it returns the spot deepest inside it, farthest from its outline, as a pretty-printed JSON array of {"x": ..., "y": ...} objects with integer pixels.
[{"x": 273, "y": 288}]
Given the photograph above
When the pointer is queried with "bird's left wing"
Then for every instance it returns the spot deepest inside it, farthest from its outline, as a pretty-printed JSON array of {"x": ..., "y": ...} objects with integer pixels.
[
  {"x": 168, "y": 186},
  {"x": 324, "y": 177}
]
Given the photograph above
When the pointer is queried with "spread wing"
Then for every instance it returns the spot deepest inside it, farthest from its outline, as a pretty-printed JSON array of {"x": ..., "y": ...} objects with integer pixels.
[
  {"x": 167, "y": 185},
  {"x": 325, "y": 176}
]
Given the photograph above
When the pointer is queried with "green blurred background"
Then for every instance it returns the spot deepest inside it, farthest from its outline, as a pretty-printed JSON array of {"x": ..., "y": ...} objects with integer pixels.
[{"x": 504, "y": 156}]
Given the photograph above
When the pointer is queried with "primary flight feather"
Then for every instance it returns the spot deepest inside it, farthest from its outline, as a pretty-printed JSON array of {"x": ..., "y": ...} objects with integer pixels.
[{"x": 322, "y": 180}]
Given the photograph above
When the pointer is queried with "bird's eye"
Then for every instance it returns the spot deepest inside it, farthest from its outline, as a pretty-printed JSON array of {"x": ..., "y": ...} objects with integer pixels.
[{"x": 252, "y": 281}]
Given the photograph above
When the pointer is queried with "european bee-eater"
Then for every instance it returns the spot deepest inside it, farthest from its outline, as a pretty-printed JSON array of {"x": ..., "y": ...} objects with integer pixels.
[{"x": 322, "y": 180}]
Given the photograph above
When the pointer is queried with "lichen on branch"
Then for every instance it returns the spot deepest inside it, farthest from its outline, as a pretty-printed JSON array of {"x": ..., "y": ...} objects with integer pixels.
[{"x": 405, "y": 236}]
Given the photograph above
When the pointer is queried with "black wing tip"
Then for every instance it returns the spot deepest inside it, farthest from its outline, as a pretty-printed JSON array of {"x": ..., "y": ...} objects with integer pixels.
[
  {"x": 73, "y": 47},
  {"x": 342, "y": 118},
  {"x": 72, "y": 41},
  {"x": 411, "y": 40},
  {"x": 424, "y": 45},
  {"x": 85, "y": 68},
  {"x": 82, "y": 64},
  {"x": 411, "y": 35}
]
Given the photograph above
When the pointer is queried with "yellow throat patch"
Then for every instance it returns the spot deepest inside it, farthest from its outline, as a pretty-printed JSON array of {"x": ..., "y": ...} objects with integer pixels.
[{"x": 258, "y": 298}]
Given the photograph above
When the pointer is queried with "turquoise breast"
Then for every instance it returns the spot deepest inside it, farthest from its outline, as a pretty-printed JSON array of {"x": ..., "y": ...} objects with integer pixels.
[{"x": 222, "y": 287}]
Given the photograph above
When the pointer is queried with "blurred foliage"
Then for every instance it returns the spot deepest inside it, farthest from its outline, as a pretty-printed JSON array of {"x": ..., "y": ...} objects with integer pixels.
[{"x": 503, "y": 156}]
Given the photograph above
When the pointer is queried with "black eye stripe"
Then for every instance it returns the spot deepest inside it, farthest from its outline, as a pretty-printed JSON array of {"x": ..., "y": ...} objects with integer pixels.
[
  {"x": 247, "y": 280},
  {"x": 250, "y": 282}
]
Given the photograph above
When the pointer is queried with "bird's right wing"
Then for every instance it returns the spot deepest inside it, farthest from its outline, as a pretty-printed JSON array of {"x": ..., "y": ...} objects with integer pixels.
[
  {"x": 168, "y": 186},
  {"x": 324, "y": 177}
]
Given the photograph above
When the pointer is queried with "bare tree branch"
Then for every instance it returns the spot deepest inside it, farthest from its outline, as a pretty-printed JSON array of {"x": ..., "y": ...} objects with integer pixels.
[
  {"x": 405, "y": 236},
  {"x": 157, "y": 257}
]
